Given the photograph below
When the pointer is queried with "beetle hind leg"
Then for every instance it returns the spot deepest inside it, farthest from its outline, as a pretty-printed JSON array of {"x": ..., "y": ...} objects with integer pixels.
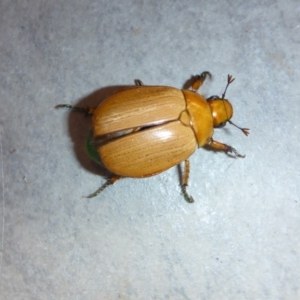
[
  {"x": 110, "y": 181},
  {"x": 188, "y": 198},
  {"x": 84, "y": 110},
  {"x": 184, "y": 184}
]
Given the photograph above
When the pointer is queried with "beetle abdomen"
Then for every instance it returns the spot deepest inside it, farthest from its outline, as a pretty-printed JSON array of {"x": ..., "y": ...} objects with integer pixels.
[
  {"x": 149, "y": 151},
  {"x": 138, "y": 107}
]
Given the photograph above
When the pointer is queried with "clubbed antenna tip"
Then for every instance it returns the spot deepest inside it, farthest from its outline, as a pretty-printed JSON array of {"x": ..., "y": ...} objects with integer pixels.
[{"x": 245, "y": 130}]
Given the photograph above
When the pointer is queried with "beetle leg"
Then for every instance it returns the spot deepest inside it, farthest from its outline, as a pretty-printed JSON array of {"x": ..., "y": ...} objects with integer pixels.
[
  {"x": 185, "y": 179},
  {"x": 138, "y": 82},
  {"x": 110, "y": 181},
  {"x": 223, "y": 147},
  {"x": 85, "y": 110},
  {"x": 199, "y": 79}
]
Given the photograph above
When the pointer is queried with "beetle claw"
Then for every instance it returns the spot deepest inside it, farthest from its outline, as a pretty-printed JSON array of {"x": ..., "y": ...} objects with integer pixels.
[
  {"x": 206, "y": 74},
  {"x": 231, "y": 149},
  {"x": 138, "y": 82},
  {"x": 199, "y": 79}
]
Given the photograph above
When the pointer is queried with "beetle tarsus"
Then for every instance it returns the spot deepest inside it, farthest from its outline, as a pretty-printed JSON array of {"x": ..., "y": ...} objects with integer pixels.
[
  {"x": 186, "y": 196},
  {"x": 138, "y": 82},
  {"x": 104, "y": 186},
  {"x": 231, "y": 149},
  {"x": 206, "y": 74},
  {"x": 110, "y": 181},
  {"x": 199, "y": 79},
  {"x": 85, "y": 110}
]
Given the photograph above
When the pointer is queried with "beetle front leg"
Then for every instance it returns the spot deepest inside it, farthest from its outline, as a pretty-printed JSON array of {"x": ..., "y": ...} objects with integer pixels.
[
  {"x": 199, "y": 80},
  {"x": 185, "y": 179},
  {"x": 223, "y": 147},
  {"x": 84, "y": 110},
  {"x": 110, "y": 181}
]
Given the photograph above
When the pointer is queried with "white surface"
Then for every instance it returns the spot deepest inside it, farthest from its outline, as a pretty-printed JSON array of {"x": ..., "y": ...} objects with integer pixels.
[{"x": 139, "y": 239}]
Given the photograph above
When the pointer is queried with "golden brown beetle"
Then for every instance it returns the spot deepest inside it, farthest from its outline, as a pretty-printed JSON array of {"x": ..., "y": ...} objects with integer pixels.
[{"x": 144, "y": 130}]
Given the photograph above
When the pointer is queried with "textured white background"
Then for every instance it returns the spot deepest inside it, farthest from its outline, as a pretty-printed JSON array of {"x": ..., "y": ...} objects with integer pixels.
[{"x": 139, "y": 239}]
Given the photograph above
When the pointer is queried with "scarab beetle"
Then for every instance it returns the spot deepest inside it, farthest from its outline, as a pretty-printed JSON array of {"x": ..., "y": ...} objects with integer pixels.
[{"x": 142, "y": 131}]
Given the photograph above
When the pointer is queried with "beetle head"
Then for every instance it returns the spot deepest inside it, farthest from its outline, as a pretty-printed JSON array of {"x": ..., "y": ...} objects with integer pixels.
[{"x": 221, "y": 109}]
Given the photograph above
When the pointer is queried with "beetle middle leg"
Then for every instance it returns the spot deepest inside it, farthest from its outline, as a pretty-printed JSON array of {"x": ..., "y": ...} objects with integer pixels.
[
  {"x": 223, "y": 147},
  {"x": 84, "y": 110},
  {"x": 110, "y": 181},
  {"x": 138, "y": 82},
  {"x": 184, "y": 183}
]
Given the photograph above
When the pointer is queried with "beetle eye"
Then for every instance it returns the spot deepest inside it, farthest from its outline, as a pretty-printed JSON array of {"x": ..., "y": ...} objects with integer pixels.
[
  {"x": 213, "y": 98},
  {"x": 221, "y": 125}
]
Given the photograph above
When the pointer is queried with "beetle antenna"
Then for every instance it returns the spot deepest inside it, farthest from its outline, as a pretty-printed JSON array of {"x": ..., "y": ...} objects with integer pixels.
[
  {"x": 230, "y": 79},
  {"x": 245, "y": 130}
]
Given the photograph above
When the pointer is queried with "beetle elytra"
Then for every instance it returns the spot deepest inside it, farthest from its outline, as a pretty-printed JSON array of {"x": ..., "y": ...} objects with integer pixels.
[{"x": 142, "y": 131}]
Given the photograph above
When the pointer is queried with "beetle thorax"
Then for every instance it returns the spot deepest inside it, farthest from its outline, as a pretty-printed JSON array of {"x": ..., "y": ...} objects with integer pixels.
[{"x": 201, "y": 117}]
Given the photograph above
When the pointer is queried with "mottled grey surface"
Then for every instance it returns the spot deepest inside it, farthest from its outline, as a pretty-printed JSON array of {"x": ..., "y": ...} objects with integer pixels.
[{"x": 139, "y": 239}]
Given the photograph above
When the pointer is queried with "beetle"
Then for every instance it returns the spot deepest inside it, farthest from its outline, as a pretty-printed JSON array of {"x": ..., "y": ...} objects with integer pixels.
[{"x": 142, "y": 131}]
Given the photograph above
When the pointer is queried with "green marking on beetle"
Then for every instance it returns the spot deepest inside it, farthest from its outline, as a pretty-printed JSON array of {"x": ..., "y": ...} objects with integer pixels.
[{"x": 92, "y": 149}]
